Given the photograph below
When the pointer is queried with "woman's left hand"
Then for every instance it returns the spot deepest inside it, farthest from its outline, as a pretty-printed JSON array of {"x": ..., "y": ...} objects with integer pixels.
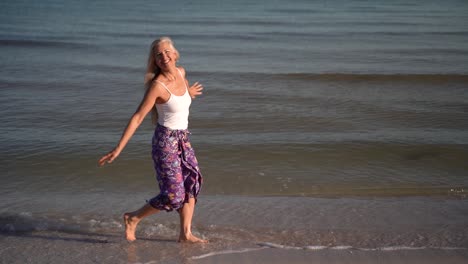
[{"x": 195, "y": 90}]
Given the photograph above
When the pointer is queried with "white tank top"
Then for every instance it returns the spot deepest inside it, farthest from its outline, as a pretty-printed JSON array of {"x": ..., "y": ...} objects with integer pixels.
[{"x": 174, "y": 113}]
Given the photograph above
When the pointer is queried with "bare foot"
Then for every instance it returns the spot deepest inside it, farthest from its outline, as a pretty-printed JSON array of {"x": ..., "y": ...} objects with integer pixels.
[
  {"x": 130, "y": 226},
  {"x": 191, "y": 239}
]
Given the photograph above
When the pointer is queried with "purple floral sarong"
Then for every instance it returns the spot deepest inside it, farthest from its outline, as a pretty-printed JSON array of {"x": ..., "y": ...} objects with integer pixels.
[{"x": 176, "y": 168}]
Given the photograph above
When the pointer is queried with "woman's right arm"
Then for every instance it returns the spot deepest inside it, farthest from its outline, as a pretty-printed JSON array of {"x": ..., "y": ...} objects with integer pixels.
[{"x": 145, "y": 106}]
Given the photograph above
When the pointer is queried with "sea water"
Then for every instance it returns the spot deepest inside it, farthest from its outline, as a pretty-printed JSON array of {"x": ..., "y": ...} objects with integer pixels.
[{"x": 339, "y": 99}]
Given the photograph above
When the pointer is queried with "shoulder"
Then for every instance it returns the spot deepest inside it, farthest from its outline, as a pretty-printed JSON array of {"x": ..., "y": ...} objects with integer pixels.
[
  {"x": 182, "y": 70},
  {"x": 156, "y": 87},
  {"x": 157, "y": 92}
]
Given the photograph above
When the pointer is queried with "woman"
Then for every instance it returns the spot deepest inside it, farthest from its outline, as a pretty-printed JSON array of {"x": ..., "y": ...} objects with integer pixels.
[{"x": 168, "y": 96}]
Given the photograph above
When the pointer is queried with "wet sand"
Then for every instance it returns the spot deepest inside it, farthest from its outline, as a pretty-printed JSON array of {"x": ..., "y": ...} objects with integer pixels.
[
  {"x": 56, "y": 247},
  {"x": 330, "y": 256},
  {"x": 246, "y": 230}
]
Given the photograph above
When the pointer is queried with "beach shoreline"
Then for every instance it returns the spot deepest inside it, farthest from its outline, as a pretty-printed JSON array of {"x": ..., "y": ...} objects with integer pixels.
[
  {"x": 330, "y": 256},
  {"x": 53, "y": 247},
  {"x": 249, "y": 230}
]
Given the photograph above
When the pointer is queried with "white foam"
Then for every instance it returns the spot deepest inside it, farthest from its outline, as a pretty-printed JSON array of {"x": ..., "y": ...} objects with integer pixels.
[
  {"x": 344, "y": 247},
  {"x": 226, "y": 252},
  {"x": 265, "y": 245},
  {"x": 315, "y": 247},
  {"x": 273, "y": 245},
  {"x": 151, "y": 262},
  {"x": 341, "y": 247},
  {"x": 395, "y": 248},
  {"x": 26, "y": 214}
]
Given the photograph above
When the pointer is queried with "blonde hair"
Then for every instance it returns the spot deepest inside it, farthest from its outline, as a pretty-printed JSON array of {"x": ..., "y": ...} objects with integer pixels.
[{"x": 153, "y": 71}]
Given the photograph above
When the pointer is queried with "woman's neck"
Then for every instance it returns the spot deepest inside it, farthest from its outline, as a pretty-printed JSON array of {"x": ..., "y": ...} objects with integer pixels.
[{"x": 170, "y": 74}]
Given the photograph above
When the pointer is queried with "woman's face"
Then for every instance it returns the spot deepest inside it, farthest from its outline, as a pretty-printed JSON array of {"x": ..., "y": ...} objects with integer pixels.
[{"x": 165, "y": 55}]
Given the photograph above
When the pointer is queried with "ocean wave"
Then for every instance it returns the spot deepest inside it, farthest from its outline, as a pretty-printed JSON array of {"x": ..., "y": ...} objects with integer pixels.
[
  {"x": 29, "y": 43},
  {"x": 319, "y": 224},
  {"x": 224, "y": 252},
  {"x": 376, "y": 77},
  {"x": 204, "y": 21},
  {"x": 345, "y": 247},
  {"x": 266, "y": 245},
  {"x": 31, "y": 222},
  {"x": 342, "y": 76}
]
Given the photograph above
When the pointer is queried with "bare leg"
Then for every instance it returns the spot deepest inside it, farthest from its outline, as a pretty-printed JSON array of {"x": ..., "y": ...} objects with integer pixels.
[
  {"x": 186, "y": 215},
  {"x": 132, "y": 219}
]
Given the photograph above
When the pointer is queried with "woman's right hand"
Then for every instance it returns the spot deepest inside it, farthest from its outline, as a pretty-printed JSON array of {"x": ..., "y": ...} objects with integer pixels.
[{"x": 109, "y": 157}]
